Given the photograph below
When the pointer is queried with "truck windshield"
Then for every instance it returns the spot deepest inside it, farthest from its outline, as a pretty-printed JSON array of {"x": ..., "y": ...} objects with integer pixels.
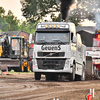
[
  {"x": 52, "y": 37},
  {"x": 15, "y": 46}
]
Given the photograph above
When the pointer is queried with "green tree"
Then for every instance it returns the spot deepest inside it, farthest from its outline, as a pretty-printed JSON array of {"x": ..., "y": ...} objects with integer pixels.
[
  {"x": 3, "y": 24},
  {"x": 12, "y": 21},
  {"x": 2, "y": 11},
  {"x": 8, "y": 22},
  {"x": 34, "y": 10},
  {"x": 85, "y": 9},
  {"x": 28, "y": 26}
]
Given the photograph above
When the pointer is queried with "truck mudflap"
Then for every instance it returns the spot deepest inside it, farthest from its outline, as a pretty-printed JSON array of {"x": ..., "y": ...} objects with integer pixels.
[
  {"x": 91, "y": 71},
  {"x": 7, "y": 62}
]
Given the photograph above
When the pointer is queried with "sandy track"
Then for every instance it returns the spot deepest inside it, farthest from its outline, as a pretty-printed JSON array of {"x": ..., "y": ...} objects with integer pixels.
[{"x": 24, "y": 87}]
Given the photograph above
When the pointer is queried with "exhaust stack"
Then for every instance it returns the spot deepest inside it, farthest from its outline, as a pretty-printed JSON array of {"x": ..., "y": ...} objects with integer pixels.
[{"x": 65, "y": 6}]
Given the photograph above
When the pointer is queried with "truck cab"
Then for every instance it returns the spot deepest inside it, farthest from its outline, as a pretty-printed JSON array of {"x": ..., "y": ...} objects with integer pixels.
[
  {"x": 19, "y": 47},
  {"x": 58, "y": 51}
]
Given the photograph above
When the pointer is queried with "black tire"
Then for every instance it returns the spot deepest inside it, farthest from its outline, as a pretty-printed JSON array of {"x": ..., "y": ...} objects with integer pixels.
[
  {"x": 9, "y": 69},
  {"x": 81, "y": 77},
  {"x": 51, "y": 77},
  {"x": 56, "y": 77},
  {"x": 27, "y": 68},
  {"x": 37, "y": 76},
  {"x": 72, "y": 75},
  {"x": 48, "y": 77},
  {"x": 21, "y": 69},
  {"x": 16, "y": 69},
  {"x": 31, "y": 66}
]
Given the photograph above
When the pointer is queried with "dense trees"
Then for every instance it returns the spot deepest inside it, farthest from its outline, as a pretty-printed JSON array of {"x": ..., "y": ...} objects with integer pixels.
[
  {"x": 34, "y": 10},
  {"x": 86, "y": 9},
  {"x": 10, "y": 23}
]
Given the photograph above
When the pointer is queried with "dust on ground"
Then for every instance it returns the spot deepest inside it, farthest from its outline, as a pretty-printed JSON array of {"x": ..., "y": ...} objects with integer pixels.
[{"x": 23, "y": 86}]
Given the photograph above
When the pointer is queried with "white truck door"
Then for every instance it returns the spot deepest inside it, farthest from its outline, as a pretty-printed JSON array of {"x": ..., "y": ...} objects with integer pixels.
[{"x": 79, "y": 55}]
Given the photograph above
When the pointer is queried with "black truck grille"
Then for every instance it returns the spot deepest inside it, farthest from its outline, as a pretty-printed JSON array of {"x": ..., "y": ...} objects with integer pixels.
[
  {"x": 51, "y": 63},
  {"x": 51, "y": 54}
]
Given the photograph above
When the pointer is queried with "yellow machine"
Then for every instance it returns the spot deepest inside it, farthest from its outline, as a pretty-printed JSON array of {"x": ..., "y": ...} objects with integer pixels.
[
  {"x": 14, "y": 53},
  {"x": 19, "y": 50},
  {"x": 4, "y": 45}
]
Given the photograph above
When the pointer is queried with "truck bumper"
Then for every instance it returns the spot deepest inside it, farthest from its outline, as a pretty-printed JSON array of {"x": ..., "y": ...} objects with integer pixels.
[{"x": 65, "y": 70}]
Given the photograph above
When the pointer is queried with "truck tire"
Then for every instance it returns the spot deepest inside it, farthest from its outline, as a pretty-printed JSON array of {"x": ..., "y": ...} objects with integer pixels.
[
  {"x": 48, "y": 77},
  {"x": 56, "y": 77},
  {"x": 31, "y": 66},
  {"x": 51, "y": 77},
  {"x": 37, "y": 76},
  {"x": 9, "y": 69},
  {"x": 16, "y": 69},
  {"x": 81, "y": 77},
  {"x": 21, "y": 69},
  {"x": 72, "y": 75},
  {"x": 27, "y": 68}
]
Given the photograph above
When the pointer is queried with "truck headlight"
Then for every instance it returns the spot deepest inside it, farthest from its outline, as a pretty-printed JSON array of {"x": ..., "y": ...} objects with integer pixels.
[
  {"x": 67, "y": 62},
  {"x": 35, "y": 62}
]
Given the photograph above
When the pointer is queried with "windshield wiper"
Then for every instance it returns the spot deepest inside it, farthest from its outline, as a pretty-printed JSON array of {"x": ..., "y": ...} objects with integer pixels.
[
  {"x": 42, "y": 42},
  {"x": 58, "y": 41}
]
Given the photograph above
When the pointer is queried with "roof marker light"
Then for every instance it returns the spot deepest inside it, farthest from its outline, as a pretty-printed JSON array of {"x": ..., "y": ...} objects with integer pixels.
[
  {"x": 50, "y": 26},
  {"x": 58, "y": 26},
  {"x": 46, "y": 26},
  {"x": 54, "y": 26}
]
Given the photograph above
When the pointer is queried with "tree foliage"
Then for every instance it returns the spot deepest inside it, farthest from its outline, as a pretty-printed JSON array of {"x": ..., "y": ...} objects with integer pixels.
[
  {"x": 34, "y": 10},
  {"x": 28, "y": 27},
  {"x": 3, "y": 24},
  {"x": 85, "y": 9},
  {"x": 10, "y": 23}
]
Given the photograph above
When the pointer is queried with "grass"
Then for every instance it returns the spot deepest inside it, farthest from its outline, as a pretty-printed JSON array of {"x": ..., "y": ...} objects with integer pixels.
[{"x": 12, "y": 71}]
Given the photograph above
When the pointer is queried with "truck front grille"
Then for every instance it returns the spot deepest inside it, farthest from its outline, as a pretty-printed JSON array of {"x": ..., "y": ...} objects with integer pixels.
[
  {"x": 56, "y": 64},
  {"x": 51, "y": 54}
]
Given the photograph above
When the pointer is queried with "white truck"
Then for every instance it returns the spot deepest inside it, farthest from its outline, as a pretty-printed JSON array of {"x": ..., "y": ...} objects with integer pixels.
[{"x": 58, "y": 51}]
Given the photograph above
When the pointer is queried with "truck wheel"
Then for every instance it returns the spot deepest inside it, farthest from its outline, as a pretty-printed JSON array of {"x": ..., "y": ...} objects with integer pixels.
[
  {"x": 56, "y": 77},
  {"x": 21, "y": 69},
  {"x": 48, "y": 77},
  {"x": 16, "y": 69},
  {"x": 37, "y": 76},
  {"x": 51, "y": 77},
  {"x": 9, "y": 69},
  {"x": 27, "y": 68},
  {"x": 72, "y": 75},
  {"x": 31, "y": 67}
]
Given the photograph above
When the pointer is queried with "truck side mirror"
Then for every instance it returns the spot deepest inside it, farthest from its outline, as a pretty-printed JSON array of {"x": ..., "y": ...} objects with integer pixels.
[{"x": 74, "y": 39}]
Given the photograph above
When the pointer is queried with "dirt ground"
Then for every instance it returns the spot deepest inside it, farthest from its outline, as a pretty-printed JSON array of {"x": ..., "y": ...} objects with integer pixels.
[{"x": 19, "y": 86}]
